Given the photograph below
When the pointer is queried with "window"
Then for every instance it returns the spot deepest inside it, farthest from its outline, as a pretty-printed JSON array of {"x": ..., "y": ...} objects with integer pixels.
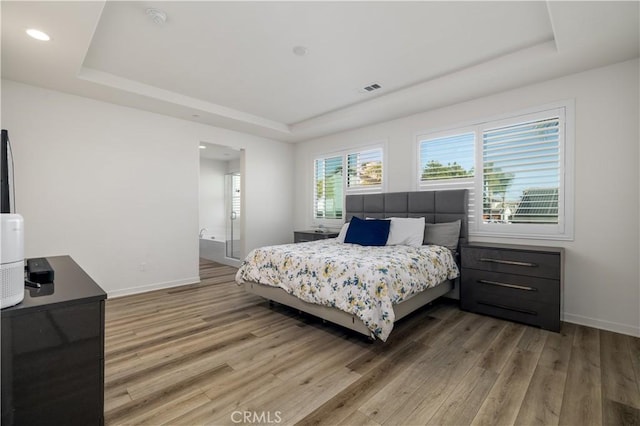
[
  {"x": 364, "y": 170},
  {"x": 448, "y": 162},
  {"x": 523, "y": 169},
  {"x": 447, "y": 159},
  {"x": 235, "y": 195},
  {"x": 328, "y": 188},
  {"x": 364, "y": 173},
  {"x": 516, "y": 168}
]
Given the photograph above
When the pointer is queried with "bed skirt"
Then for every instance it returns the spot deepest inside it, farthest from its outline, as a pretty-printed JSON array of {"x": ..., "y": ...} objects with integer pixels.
[{"x": 344, "y": 319}]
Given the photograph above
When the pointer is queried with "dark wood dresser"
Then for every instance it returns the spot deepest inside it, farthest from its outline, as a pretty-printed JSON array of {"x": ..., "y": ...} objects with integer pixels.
[
  {"x": 514, "y": 282},
  {"x": 53, "y": 352},
  {"x": 311, "y": 235}
]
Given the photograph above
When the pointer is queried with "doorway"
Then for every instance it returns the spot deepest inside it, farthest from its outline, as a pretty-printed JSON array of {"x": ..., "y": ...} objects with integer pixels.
[{"x": 220, "y": 199}]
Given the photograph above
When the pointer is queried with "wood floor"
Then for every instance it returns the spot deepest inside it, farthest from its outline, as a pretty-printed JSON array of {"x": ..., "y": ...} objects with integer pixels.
[{"x": 211, "y": 354}]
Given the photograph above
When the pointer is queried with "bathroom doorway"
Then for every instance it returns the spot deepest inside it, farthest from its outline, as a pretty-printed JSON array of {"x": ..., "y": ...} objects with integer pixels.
[{"x": 220, "y": 236}]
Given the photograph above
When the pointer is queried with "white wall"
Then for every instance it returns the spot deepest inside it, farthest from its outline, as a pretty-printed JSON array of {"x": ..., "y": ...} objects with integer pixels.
[
  {"x": 602, "y": 275},
  {"x": 233, "y": 166},
  {"x": 212, "y": 216},
  {"x": 117, "y": 187}
]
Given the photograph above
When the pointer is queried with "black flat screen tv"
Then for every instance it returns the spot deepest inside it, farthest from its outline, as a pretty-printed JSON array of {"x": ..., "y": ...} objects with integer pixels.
[{"x": 5, "y": 192}]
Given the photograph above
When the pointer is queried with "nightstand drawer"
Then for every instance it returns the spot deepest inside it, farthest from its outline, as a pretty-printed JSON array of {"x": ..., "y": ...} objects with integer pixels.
[
  {"x": 536, "y": 264},
  {"x": 311, "y": 235},
  {"x": 509, "y": 287}
]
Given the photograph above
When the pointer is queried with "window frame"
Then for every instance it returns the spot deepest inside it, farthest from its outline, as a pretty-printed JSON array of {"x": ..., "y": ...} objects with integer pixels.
[
  {"x": 344, "y": 153},
  {"x": 564, "y": 230}
]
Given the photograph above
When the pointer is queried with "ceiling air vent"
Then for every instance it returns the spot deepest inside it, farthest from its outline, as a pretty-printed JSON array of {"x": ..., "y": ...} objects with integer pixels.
[{"x": 372, "y": 87}]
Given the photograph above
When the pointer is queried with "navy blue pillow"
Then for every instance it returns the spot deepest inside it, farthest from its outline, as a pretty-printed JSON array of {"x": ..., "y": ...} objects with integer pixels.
[{"x": 368, "y": 232}]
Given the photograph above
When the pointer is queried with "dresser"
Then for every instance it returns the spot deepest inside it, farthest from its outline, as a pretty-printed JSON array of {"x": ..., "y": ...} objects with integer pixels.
[
  {"x": 514, "y": 282},
  {"x": 311, "y": 235},
  {"x": 53, "y": 352}
]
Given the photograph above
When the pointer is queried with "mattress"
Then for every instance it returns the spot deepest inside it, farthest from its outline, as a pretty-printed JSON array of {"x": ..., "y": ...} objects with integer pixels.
[{"x": 363, "y": 281}]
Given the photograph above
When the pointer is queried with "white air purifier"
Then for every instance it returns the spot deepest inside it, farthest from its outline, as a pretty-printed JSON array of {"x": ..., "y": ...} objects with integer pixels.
[{"x": 12, "y": 259}]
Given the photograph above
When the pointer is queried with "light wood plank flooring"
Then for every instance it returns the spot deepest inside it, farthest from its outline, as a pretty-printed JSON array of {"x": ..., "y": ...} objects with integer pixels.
[{"x": 211, "y": 354}]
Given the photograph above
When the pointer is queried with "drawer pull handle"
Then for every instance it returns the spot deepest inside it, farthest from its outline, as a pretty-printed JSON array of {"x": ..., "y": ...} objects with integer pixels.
[
  {"x": 499, "y": 284},
  {"x": 510, "y": 308},
  {"x": 508, "y": 262}
]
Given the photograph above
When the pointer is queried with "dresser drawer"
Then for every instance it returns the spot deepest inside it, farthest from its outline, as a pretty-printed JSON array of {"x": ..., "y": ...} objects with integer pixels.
[
  {"x": 535, "y": 264},
  {"x": 509, "y": 287},
  {"x": 514, "y": 282},
  {"x": 543, "y": 315}
]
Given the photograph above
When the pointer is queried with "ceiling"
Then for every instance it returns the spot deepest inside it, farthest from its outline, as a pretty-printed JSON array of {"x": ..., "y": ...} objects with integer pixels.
[{"x": 232, "y": 64}]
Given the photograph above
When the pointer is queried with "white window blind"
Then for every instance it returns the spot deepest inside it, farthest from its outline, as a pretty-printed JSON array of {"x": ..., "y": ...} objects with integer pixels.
[
  {"x": 518, "y": 170},
  {"x": 447, "y": 162},
  {"x": 364, "y": 170},
  {"x": 447, "y": 158},
  {"x": 328, "y": 185},
  {"x": 337, "y": 174},
  {"x": 521, "y": 165},
  {"x": 235, "y": 194}
]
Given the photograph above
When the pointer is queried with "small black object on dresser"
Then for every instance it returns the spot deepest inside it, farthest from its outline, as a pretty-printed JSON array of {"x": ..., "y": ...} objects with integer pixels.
[
  {"x": 514, "y": 282},
  {"x": 40, "y": 271},
  {"x": 53, "y": 352},
  {"x": 311, "y": 235}
]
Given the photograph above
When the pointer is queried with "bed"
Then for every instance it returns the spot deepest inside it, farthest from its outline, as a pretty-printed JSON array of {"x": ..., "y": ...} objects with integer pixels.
[{"x": 289, "y": 264}]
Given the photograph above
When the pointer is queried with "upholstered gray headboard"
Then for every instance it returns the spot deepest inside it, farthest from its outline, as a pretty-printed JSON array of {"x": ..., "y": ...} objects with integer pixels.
[{"x": 435, "y": 206}]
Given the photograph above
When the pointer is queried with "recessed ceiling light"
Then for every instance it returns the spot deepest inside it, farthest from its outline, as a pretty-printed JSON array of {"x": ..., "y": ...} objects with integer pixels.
[
  {"x": 300, "y": 51},
  {"x": 38, "y": 35},
  {"x": 195, "y": 115},
  {"x": 202, "y": 147}
]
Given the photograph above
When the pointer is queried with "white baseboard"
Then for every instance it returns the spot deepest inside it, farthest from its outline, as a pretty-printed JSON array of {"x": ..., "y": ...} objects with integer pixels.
[
  {"x": 151, "y": 287},
  {"x": 602, "y": 324}
]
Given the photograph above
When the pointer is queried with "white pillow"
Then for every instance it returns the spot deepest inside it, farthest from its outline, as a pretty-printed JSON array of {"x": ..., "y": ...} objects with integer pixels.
[
  {"x": 343, "y": 232},
  {"x": 408, "y": 231}
]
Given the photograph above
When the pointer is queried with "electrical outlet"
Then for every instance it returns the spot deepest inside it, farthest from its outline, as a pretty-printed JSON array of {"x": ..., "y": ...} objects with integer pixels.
[{"x": 143, "y": 267}]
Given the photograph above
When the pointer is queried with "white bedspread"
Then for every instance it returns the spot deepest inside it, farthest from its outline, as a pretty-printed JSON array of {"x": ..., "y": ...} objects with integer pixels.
[{"x": 363, "y": 281}]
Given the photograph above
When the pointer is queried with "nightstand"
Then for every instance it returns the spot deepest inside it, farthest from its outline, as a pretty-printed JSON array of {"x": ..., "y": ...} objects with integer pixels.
[
  {"x": 311, "y": 235},
  {"x": 514, "y": 282}
]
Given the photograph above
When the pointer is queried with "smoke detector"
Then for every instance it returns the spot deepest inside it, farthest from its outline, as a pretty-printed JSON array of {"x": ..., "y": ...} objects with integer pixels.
[
  {"x": 158, "y": 16},
  {"x": 300, "y": 51}
]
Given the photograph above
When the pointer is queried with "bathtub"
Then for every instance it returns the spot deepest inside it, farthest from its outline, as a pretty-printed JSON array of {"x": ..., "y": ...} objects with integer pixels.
[{"x": 212, "y": 248}]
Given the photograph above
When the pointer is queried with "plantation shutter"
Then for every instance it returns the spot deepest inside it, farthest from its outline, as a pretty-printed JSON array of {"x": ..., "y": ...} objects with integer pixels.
[
  {"x": 328, "y": 188},
  {"x": 522, "y": 172},
  {"x": 364, "y": 170},
  {"x": 235, "y": 194},
  {"x": 448, "y": 163}
]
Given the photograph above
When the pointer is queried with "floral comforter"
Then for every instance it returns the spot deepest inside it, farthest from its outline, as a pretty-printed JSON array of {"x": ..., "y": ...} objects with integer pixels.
[{"x": 363, "y": 281}]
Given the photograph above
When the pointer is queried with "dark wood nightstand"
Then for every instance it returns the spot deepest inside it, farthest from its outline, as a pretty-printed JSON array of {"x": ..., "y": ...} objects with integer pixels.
[
  {"x": 311, "y": 235},
  {"x": 514, "y": 282}
]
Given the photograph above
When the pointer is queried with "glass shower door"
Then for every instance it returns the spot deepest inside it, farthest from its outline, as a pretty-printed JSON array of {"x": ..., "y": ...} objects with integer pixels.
[{"x": 233, "y": 211}]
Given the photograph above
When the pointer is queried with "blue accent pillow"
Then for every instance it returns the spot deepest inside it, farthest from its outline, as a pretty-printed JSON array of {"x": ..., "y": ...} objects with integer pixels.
[{"x": 368, "y": 232}]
